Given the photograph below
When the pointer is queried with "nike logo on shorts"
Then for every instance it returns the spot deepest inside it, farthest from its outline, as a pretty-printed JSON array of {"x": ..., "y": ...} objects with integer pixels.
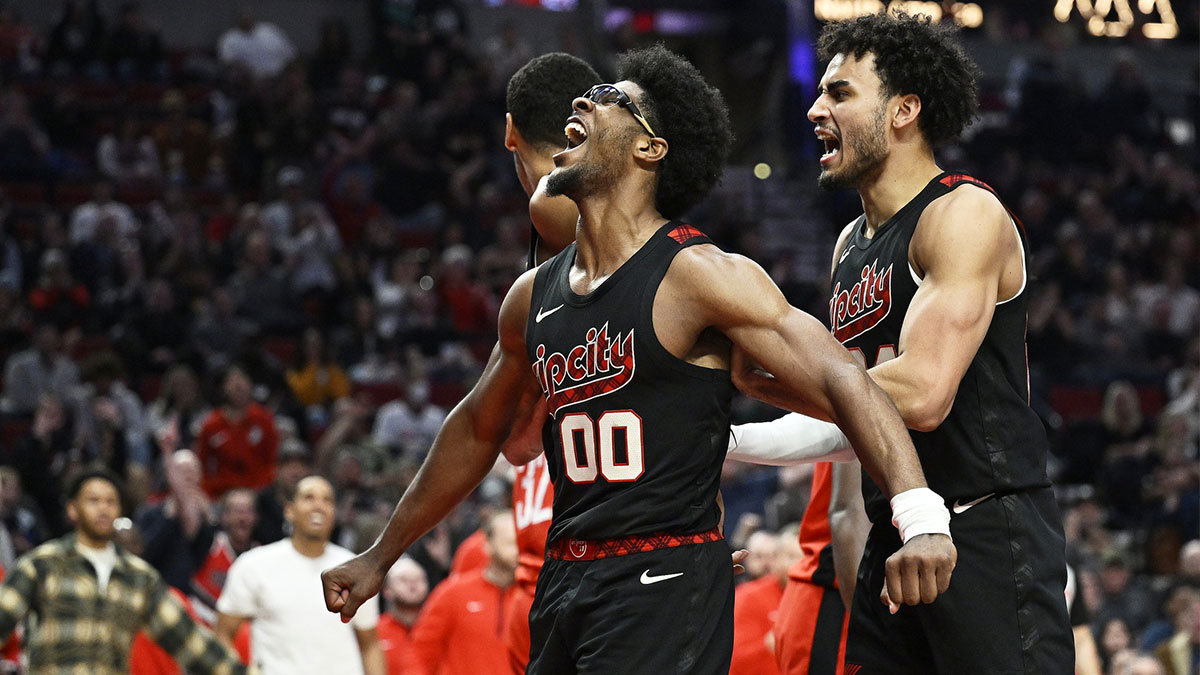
[
  {"x": 962, "y": 508},
  {"x": 541, "y": 315},
  {"x": 647, "y": 579}
]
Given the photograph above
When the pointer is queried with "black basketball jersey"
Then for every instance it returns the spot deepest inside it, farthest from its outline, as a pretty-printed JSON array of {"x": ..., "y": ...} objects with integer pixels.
[
  {"x": 637, "y": 436},
  {"x": 991, "y": 441}
]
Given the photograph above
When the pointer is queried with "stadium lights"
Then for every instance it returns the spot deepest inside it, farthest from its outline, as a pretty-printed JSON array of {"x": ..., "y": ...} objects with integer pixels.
[{"x": 1101, "y": 22}]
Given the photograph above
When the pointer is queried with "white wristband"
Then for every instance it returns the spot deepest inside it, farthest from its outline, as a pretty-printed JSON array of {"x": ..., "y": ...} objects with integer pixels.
[
  {"x": 920, "y": 511},
  {"x": 791, "y": 439}
]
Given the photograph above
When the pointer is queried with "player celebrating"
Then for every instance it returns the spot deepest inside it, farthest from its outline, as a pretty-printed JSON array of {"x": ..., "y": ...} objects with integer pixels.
[
  {"x": 929, "y": 290},
  {"x": 627, "y": 334}
]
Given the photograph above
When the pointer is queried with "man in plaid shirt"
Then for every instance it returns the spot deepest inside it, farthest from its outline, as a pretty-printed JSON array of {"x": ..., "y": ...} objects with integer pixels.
[{"x": 84, "y": 599}]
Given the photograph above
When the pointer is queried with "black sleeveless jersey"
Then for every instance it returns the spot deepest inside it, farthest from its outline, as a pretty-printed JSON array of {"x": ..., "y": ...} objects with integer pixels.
[
  {"x": 637, "y": 436},
  {"x": 992, "y": 441}
]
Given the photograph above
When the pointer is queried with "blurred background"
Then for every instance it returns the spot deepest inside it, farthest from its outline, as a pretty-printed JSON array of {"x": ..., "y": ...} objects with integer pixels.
[{"x": 306, "y": 206}]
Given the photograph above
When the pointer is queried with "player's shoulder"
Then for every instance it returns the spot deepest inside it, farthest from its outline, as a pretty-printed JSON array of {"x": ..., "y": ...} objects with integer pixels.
[{"x": 970, "y": 198}]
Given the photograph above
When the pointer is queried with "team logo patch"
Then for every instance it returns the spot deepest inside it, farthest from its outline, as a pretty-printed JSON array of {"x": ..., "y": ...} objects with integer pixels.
[
  {"x": 599, "y": 366},
  {"x": 856, "y": 310}
]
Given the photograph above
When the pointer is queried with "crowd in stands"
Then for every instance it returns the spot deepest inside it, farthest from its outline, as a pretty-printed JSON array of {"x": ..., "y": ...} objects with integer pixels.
[{"x": 291, "y": 262}]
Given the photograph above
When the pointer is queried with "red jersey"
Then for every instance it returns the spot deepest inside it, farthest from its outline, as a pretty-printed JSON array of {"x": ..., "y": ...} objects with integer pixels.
[
  {"x": 395, "y": 639},
  {"x": 533, "y": 506},
  {"x": 471, "y": 554},
  {"x": 461, "y": 628},
  {"x": 237, "y": 453},
  {"x": 816, "y": 565},
  {"x": 755, "y": 604}
]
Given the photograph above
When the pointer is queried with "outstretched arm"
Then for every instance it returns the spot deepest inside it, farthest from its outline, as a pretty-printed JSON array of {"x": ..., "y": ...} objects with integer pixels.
[
  {"x": 464, "y": 451},
  {"x": 735, "y": 295},
  {"x": 848, "y": 526}
]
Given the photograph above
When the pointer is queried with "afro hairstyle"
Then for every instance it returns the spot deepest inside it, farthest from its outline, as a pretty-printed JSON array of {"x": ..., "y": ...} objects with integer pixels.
[
  {"x": 690, "y": 115},
  {"x": 913, "y": 55},
  {"x": 539, "y": 96}
]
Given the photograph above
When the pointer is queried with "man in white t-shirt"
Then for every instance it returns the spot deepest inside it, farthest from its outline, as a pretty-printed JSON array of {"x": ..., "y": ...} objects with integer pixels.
[{"x": 271, "y": 586}]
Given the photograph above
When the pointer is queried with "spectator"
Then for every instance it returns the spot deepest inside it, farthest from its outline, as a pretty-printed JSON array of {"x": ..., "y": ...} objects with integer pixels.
[
  {"x": 755, "y": 605},
  {"x": 457, "y": 633},
  {"x": 1124, "y": 595},
  {"x": 272, "y": 588},
  {"x": 317, "y": 382},
  {"x": 238, "y": 519},
  {"x": 42, "y": 369},
  {"x": 177, "y": 533},
  {"x": 1115, "y": 639},
  {"x": 295, "y": 462},
  {"x": 260, "y": 290},
  {"x": 281, "y": 216},
  {"x": 178, "y": 406},
  {"x": 352, "y": 205},
  {"x": 404, "y": 591},
  {"x": 1181, "y": 654},
  {"x": 81, "y": 581},
  {"x": 20, "y": 44},
  {"x": 127, "y": 156},
  {"x": 218, "y": 333},
  {"x": 75, "y": 43},
  {"x": 260, "y": 47},
  {"x": 762, "y": 547},
  {"x": 23, "y": 524},
  {"x": 238, "y": 442},
  {"x": 135, "y": 50},
  {"x": 105, "y": 390},
  {"x": 183, "y": 143},
  {"x": 86, "y": 219},
  {"x": 470, "y": 309},
  {"x": 409, "y": 425},
  {"x": 45, "y": 457}
]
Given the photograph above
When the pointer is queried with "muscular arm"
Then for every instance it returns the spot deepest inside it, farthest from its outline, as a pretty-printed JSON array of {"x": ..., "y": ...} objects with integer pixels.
[
  {"x": 736, "y": 296},
  {"x": 968, "y": 254},
  {"x": 372, "y": 652},
  {"x": 464, "y": 451},
  {"x": 967, "y": 249},
  {"x": 848, "y": 525}
]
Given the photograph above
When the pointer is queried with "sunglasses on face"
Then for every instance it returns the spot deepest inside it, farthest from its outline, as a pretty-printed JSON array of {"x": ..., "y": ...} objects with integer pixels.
[{"x": 607, "y": 94}]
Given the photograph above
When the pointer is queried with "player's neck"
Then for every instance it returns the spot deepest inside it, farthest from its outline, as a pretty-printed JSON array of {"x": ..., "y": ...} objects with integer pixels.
[
  {"x": 900, "y": 180},
  {"x": 612, "y": 227}
]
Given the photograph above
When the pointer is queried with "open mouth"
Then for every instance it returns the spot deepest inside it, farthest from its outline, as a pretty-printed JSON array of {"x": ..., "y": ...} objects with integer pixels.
[
  {"x": 576, "y": 134},
  {"x": 833, "y": 145}
]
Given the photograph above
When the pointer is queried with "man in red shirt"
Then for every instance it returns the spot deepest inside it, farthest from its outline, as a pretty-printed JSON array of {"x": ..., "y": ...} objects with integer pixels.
[
  {"x": 756, "y": 606},
  {"x": 405, "y": 591},
  {"x": 238, "y": 442},
  {"x": 461, "y": 629}
]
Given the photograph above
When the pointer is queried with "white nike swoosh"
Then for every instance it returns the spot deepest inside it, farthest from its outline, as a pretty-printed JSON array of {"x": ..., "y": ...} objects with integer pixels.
[
  {"x": 961, "y": 508},
  {"x": 647, "y": 579},
  {"x": 541, "y": 315},
  {"x": 845, "y": 253}
]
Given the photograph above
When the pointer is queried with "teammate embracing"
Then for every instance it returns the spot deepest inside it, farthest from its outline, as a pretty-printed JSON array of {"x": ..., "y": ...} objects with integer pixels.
[{"x": 929, "y": 292}]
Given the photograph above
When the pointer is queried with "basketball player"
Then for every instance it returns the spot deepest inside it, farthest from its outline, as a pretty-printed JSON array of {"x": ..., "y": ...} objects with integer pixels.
[
  {"x": 628, "y": 334},
  {"x": 929, "y": 291}
]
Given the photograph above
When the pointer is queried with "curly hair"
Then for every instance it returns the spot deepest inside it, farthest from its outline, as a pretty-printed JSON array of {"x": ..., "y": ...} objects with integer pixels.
[
  {"x": 692, "y": 117},
  {"x": 539, "y": 96},
  {"x": 913, "y": 55}
]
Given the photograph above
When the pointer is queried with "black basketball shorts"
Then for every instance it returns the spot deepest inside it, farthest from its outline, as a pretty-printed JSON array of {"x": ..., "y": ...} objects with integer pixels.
[
  {"x": 1005, "y": 612},
  {"x": 659, "y": 612}
]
